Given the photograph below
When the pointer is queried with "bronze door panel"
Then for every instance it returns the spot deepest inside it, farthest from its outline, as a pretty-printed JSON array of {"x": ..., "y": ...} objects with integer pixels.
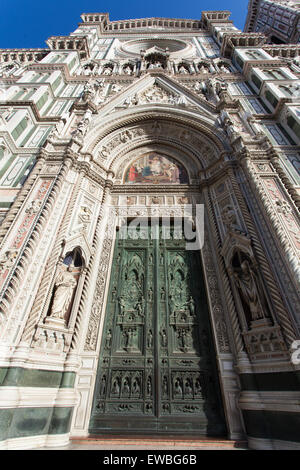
[{"x": 156, "y": 369}]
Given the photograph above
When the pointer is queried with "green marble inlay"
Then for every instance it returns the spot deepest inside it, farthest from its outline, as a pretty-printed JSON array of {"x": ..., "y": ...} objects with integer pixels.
[
  {"x": 67, "y": 380},
  {"x": 60, "y": 422},
  {"x": 6, "y": 417},
  {"x": 30, "y": 421},
  {"x": 20, "y": 377},
  {"x": 3, "y": 372},
  {"x": 277, "y": 425},
  {"x": 279, "y": 381},
  {"x": 5, "y": 204},
  {"x": 7, "y": 165}
]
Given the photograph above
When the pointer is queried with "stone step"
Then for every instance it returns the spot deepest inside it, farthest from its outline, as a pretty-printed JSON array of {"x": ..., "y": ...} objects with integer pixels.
[{"x": 169, "y": 442}]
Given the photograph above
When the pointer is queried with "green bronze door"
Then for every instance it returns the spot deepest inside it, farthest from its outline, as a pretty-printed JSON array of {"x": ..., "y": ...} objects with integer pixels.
[{"x": 157, "y": 370}]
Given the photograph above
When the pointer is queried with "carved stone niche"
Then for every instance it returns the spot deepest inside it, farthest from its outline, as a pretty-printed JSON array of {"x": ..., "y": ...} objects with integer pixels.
[
  {"x": 54, "y": 334},
  {"x": 261, "y": 333}
]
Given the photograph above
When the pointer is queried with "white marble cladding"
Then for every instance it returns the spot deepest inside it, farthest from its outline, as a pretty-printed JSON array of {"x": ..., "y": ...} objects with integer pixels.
[{"x": 89, "y": 106}]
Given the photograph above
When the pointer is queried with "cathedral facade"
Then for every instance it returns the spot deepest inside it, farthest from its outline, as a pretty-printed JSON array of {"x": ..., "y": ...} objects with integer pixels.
[{"x": 149, "y": 258}]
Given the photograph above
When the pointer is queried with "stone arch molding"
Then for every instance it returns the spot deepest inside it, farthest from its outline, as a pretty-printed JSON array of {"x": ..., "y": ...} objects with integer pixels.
[
  {"x": 191, "y": 124},
  {"x": 78, "y": 241},
  {"x": 195, "y": 145}
]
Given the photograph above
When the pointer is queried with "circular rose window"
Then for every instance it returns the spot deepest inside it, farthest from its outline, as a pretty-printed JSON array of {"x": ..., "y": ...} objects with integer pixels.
[{"x": 174, "y": 46}]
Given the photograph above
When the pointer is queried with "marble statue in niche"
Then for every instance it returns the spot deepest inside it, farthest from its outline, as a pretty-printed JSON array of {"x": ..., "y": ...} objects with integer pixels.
[
  {"x": 251, "y": 295},
  {"x": 65, "y": 284}
]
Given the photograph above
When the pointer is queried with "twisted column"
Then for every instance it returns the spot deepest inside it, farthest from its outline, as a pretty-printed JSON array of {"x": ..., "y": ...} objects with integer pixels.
[
  {"x": 45, "y": 288},
  {"x": 285, "y": 180},
  {"x": 234, "y": 321},
  {"x": 28, "y": 251},
  {"x": 281, "y": 312},
  {"x": 87, "y": 281}
]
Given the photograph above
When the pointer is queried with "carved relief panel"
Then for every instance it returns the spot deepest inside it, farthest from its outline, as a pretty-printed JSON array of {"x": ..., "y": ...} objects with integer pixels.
[{"x": 156, "y": 356}]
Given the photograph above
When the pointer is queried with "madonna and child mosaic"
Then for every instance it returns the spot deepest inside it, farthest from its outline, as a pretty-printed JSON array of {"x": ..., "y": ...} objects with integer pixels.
[{"x": 155, "y": 169}]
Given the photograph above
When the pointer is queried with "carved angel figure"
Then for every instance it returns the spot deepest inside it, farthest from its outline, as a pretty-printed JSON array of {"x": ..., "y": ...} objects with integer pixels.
[
  {"x": 34, "y": 207},
  {"x": 107, "y": 71},
  {"x": 88, "y": 87},
  {"x": 128, "y": 70}
]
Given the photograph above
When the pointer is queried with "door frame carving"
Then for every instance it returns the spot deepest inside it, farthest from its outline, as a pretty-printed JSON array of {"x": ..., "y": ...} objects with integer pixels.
[{"x": 228, "y": 379}]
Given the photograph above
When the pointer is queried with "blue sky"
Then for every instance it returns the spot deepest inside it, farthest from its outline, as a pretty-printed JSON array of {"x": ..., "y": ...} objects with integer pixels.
[{"x": 29, "y": 23}]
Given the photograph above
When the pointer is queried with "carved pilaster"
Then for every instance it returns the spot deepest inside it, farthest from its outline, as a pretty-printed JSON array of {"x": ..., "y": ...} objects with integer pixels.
[
  {"x": 27, "y": 250},
  {"x": 96, "y": 246},
  {"x": 281, "y": 312},
  {"x": 42, "y": 299},
  {"x": 256, "y": 182},
  {"x": 101, "y": 282},
  {"x": 234, "y": 321},
  {"x": 275, "y": 160}
]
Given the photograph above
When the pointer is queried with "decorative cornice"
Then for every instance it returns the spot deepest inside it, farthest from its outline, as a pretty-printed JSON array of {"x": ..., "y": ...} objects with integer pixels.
[
  {"x": 253, "y": 8},
  {"x": 215, "y": 16},
  {"x": 282, "y": 50},
  {"x": 274, "y": 64},
  {"x": 30, "y": 104},
  {"x": 126, "y": 26},
  {"x": 70, "y": 43},
  {"x": 232, "y": 40},
  {"x": 29, "y": 151},
  {"x": 158, "y": 188},
  {"x": 22, "y": 55}
]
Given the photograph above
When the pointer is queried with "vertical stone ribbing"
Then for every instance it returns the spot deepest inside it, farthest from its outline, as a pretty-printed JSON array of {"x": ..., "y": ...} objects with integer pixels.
[
  {"x": 275, "y": 160},
  {"x": 281, "y": 312},
  {"x": 234, "y": 321},
  {"x": 87, "y": 281},
  {"x": 256, "y": 184},
  {"x": 13, "y": 287},
  {"x": 46, "y": 282}
]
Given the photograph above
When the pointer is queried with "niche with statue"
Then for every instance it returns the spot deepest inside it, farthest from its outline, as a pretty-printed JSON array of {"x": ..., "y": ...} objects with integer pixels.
[
  {"x": 261, "y": 332},
  {"x": 65, "y": 287}
]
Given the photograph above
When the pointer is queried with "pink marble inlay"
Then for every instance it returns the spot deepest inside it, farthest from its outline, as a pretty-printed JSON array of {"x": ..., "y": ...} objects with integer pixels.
[{"x": 23, "y": 230}]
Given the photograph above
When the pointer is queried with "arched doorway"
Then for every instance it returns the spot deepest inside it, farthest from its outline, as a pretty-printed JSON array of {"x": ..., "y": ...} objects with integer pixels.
[
  {"x": 157, "y": 368},
  {"x": 117, "y": 145}
]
